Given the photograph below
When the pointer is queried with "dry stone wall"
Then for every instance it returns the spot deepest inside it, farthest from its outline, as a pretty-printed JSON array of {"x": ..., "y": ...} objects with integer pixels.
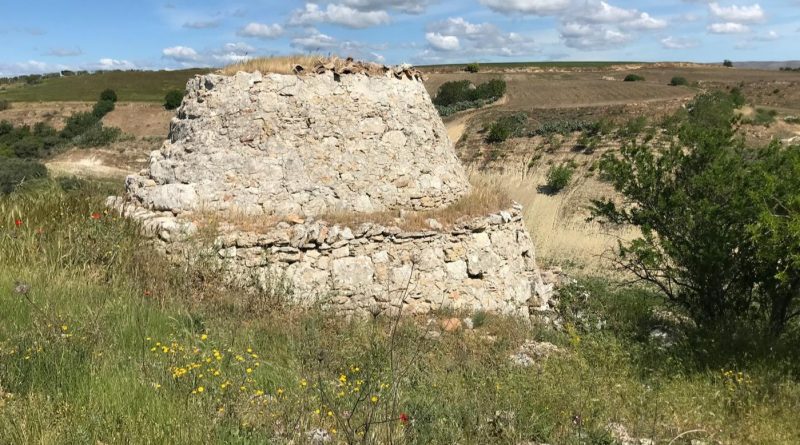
[
  {"x": 485, "y": 263},
  {"x": 285, "y": 144}
]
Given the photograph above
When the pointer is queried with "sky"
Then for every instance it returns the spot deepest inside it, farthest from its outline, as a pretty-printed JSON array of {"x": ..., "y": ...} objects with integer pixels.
[{"x": 39, "y": 36}]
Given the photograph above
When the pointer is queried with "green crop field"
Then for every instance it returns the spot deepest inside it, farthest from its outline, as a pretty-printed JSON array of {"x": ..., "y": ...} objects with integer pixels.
[{"x": 131, "y": 86}]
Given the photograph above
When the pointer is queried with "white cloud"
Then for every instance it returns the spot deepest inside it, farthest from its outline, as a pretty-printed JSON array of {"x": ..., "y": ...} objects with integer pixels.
[
  {"x": 407, "y": 6},
  {"x": 261, "y": 30},
  {"x": 314, "y": 41},
  {"x": 114, "y": 64},
  {"x": 533, "y": 7},
  {"x": 483, "y": 39},
  {"x": 592, "y": 37},
  {"x": 202, "y": 24},
  {"x": 181, "y": 54},
  {"x": 679, "y": 43},
  {"x": 339, "y": 15},
  {"x": 645, "y": 22},
  {"x": 727, "y": 28},
  {"x": 442, "y": 43},
  {"x": 738, "y": 14},
  {"x": 768, "y": 37}
]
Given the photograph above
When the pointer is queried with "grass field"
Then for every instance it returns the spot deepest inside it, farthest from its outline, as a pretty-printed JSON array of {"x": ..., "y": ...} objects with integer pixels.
[
  {"x": 103, "y": 342},
  {"x": 131, "y": 86},
  {"x": 512, "y": 65}
]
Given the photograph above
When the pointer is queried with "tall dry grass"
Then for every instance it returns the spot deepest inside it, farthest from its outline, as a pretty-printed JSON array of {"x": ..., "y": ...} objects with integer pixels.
[{"x": 276, "y": 65}]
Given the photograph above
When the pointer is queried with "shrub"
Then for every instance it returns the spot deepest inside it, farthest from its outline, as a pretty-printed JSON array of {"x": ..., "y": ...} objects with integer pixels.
[
  {"x": 102, "y": 107},
  {"x": 719, "y": 221},
  {"x": 763, "y": 117},
  {"x": 455, "y": 92},
  {"x": 4, "y": 105},
  {"x": 108, "y": 95},
  {"x": 506, "y": 127},
  {"x": 472, "y": 68},
  {"x": 97, "y": 135},
  {"x": 678, "y": 81},
  {"x": 727, "y": 63},
  {"x": 14, "y": 172},
  {"x": 564, "y": 127},
  {"x": 558, "y": 178},
  {"x": 493, "y": 89},
  {"x": 29, "y": 147},
  {"x": 77, "y": 124},
  {"x": 173, "y": 99},
  {"x": 737, "y": 97},
  {"x": 634, "y": 78}
]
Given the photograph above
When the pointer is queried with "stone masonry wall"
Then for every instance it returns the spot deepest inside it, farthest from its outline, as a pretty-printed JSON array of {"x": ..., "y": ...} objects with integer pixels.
[
  {"x": 307, "y": 145},
  {"x": 482, "y": 264}
]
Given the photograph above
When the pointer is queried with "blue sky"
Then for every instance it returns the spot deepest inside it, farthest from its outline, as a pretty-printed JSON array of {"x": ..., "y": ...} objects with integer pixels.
[{"x": 45, "y": 36}]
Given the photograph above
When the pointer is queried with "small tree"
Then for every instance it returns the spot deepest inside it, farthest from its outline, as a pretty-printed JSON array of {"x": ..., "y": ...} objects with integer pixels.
[
  {"x": 558, "y": 178},
  {"x": 173, "y": 99},
  {"x": 101, "y": 108},
  {"x": 678, "y": 81},
  {"x": 634, "y": 78},
  {"x": 472, "y": 68},
  {"x": 108, "y": 95},
  {"x": 727, "y": 64}
]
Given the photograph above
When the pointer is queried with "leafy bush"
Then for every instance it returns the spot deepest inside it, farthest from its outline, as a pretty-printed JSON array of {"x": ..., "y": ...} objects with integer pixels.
[
  {"x": 29, "y": 147},
  {"x": 633, "y": 128},
  {"x": 460, "y": 93},
  {"x": 472, "y": 68},
  {"x": 102, "y": 107},
  {"x": 506, "y": 127},
  {"x": 792, "y": 119},
  {"x": 97, "y": 136},
  {"x": 14, "y": 172},
  {"x": 634, "y": 78},
  {"x": 564, "y": 127},
  {"x": 558, "y": 178},
  {"x": 108, "y": 95},
  {"x": 719, "y": 221},
  {"x": 173, "y": 99},
  {"x": 727, "y": 63},
  {"x": 678, "y": 81},
  {"x": 763, "y": 117},
  {"x": 77, "y": 124},
  {"x": 4, "y": 105},
  {"x": 737, "y": 97}
]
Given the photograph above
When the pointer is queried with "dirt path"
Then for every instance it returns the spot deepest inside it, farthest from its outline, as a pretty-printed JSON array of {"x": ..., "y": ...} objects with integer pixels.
[{"x": 457, "y": 124}]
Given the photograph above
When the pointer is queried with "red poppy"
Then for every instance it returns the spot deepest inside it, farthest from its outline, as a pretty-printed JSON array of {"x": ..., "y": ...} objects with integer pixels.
[
  {"x": 96, "y": 215},
  {"x": 403, "y": 418},
  {"x": 18, "y": 222}
]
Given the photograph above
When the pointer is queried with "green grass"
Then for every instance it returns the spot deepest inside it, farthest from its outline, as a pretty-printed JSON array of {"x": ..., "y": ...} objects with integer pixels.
[
  {"x": 82, "y": 358},
  {"x": 130, "y": 86}
]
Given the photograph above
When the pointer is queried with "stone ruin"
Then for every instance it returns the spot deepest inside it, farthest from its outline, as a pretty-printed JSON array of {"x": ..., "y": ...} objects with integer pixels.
[{"x": 288, "y": 151}]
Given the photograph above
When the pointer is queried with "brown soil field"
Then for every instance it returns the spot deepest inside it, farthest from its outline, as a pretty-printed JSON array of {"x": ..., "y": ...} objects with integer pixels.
[{"x": 51, "y": 113}]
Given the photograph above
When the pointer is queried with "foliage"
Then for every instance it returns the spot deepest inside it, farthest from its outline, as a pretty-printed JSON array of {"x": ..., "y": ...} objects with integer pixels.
[
  {"x": 89, "y": 308},
  {"x": 462, "y": 94},
  {"x": 633, "y": 127},
  {"x": 449, "y": 110},
  {"x": 4, "y": 105},
  {"x": 102, "y": 107},
  {"x": 558, "y": 178},
  {"x": 108, "y": 95},
  {"x": 565, "y": 127},
  {"x": 727, "y": 63},
  {"x": 678, "y": 81},
  {"x": 472, "y": 68},
  {"x": 634, "y": 78},
  {"x": 77, "y": 124},
  {"x": 173, "y": 99},
  {"x": 763, "y": 117},
  {"x": 697, "y": 203},
  {"x": 506, "y": 127},
  {"x": 14, "y": 172},
  {"x": 97, "y": 136}
]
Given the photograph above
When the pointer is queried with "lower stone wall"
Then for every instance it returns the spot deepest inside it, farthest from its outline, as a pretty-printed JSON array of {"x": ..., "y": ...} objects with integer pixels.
[{"x": 483, "y": 264}]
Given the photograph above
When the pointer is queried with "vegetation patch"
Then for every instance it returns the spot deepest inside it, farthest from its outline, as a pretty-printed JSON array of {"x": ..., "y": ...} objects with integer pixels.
[
  {"x": 558, "y": 178},
  {"x": 5, "y": 105},
  {"x": 634, "y": 78},
  {"x": 456, "y": 96},
  {"x": 678, "y": 81},
  {"x": 506, "y": 127},
  {"x": 173, "y": 99}
]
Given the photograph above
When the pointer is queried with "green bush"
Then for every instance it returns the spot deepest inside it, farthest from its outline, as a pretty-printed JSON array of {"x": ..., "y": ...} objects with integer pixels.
[
  {"x": 506, "y": 127},
  {"x": 763, "y": 117},
  {"x": 97, "y": 136},
  {"x": 14, "y": 172},
  {"x": 472, "y": 68},
  {"x": 173, "y": 99},
  {"x": 462, "y": 91},
  {"x": 493, "y": 89},
  {"x": 108, "y": 95},
  {"x": 29, "y": 147},
  {"x": 77, "y": 124},
  {"x": 4, "y": 105},
  {"x": 102, "y": 107},
  {"x": 678, "y": 81},
  {"x": 634, "y": 78},
  {"x": 720, "y": 222},
  {"x": 727, "y": 63},
  {"x": 558, "y": 178}
]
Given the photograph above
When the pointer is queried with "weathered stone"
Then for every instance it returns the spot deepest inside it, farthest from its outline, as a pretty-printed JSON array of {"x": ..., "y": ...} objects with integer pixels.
[{"x": 352, "y": 273}]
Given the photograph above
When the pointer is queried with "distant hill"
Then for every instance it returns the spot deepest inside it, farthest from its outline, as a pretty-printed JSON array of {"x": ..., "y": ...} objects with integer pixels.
[
  {"x": 767, "y": 65},
  {"x": 131, "y": 86}
]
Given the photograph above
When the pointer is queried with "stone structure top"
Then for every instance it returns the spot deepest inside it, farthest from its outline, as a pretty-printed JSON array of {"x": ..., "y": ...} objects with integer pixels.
[{"x": 344, "y": 139}]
